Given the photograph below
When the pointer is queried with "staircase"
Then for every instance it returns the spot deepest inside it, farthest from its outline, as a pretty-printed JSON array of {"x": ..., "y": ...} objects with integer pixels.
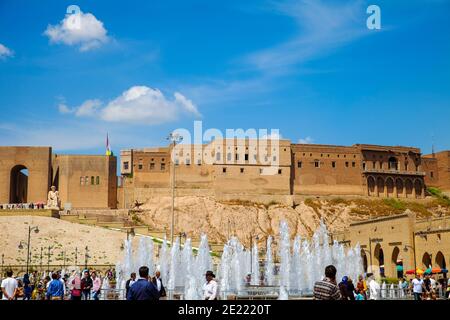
[{"x": 120, "y": 220}]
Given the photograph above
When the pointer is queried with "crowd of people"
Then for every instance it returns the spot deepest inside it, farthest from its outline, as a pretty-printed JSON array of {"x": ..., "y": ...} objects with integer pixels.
[
  {"x": 21, "y": 206},
  {"x": 87, "y": 285},
  {"x": 152, "y": 288},
  {"x": 421, "y": 287},
  {"x": 84, "y": 285}
]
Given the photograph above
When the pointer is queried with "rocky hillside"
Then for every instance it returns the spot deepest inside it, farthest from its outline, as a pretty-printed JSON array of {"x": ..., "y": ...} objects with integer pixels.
[
  {"x": 196, "y": 215},
  {"x": 64, "y": 238}
]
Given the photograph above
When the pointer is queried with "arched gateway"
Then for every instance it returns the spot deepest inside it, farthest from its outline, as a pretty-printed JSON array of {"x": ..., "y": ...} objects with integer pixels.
[{"x": 24, "y": 174}]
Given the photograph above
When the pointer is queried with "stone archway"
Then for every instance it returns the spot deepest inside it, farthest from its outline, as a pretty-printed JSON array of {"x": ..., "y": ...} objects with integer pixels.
[
  {"x": 418, "y": 188},
  {"x": 426, "y": 260},
  {"x": 380, "y": 186},
  {"x": 408, "y": 188},
  {"x": 379, "y": 258},
  {"x": 390, "y": 187},
  {"x": 18, "y": 183},
  {"x": 440, "y": 260},
  {"x": 38, "y": 162},
  {"x": 371, "y": 185},
  {"x": 396, "y": 262},
  {"x": 400, "y": 185},
  {"x": 364, "y": 259}
]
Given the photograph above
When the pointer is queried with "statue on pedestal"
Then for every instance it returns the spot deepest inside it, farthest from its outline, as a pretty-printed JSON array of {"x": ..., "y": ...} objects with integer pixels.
[{"x": 53, "y": 201}]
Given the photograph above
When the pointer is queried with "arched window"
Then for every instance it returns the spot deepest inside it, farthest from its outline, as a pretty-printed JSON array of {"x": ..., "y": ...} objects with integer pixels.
[
  {"x": 97, "y": 180},
  {"x": 440, "y": 260},
  {"x": 92, "y": 180},
  {"x": 426, "y": 260},
  {"x": 393, "y": 163}
]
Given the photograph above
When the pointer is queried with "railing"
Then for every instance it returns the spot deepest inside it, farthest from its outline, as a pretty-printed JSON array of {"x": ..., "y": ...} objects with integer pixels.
[
  {"x": 393, "y": 171},
  {"x": 402, "y": 294}
]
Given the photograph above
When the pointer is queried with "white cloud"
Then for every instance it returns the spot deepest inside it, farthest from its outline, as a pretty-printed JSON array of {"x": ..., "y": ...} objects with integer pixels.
[
  {"x": 81, "y": 29},
  {"x": 139, "y": 104},
  {"x": 88, "y": 108},
  {"x": 307, "y": 140},
  {"x": 186, "y": 103},
  {"x": 63, "y": 108},
  {"x": 322, "y": 28},
  {"x": 5, "y": 52}
]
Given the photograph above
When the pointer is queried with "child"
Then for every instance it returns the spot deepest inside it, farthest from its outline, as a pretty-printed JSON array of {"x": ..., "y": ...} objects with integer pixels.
[{"x": 359, "y": 295}]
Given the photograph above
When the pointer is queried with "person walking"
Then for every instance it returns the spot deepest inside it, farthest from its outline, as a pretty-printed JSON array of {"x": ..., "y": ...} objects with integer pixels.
[
  {"x": 55, "y": 290},
  {"x": 129, "y": 283},
  {"x": 9, "y": 286},
  {"x": 327, "y": 289},
  {"x": 210, "y": 287},
  {"x": 63, "y": 282},
  {"x": 75, "y": 292},
  {"x": 417, "y": 287},
  {"x": 86, "y": 285},
  {"x": 27, "y": 288},
  {"x": 361, "y": 286},
  {"x": 96, "y": 285},
  {"x": 157, "y": 281},
  {"x": 359, "y": 295},
  {"x": 447, "y": 290},
  {"x": 347, "y": 288},
  {"x": 143, "y": 289},
  {"x": 374, "y": 288}
]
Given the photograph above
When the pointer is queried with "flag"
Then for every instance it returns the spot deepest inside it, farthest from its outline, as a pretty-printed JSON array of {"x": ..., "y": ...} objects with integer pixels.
[{"x": 108, "y": 148}]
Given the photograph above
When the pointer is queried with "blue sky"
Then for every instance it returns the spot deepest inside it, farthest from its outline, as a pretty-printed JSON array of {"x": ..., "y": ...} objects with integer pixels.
[{"x": 139, "y": 69}]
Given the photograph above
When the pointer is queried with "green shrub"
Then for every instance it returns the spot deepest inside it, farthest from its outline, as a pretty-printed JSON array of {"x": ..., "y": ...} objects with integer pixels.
[
  {"x": 389, "y": 280},
  {"x": 338, "y": 201},
  {"x": 395, "y": 204}
]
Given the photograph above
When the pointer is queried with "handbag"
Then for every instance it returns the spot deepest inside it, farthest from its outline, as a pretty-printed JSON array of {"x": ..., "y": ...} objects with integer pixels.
[{"x": 76, "y": 292}]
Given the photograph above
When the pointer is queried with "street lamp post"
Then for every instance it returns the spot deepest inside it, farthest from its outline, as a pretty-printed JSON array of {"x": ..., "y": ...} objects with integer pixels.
[
  {"x": 36, "y": 230},
  {"x": 370, "y": 255},
  {"x": 40, "y": 263},
  {"x": 86, "y": 256},
  {"x": 3, "y": 262},
  {"x": 76, "y": 256},
  {"x": 48, "y": 259},
  {"x": 174, "y": 138}
]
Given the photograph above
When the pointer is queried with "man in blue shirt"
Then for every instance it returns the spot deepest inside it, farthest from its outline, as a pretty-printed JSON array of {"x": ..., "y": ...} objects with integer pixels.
[
  {"x": 55, "y": 290},
  {"x": 143, "y": 289}
]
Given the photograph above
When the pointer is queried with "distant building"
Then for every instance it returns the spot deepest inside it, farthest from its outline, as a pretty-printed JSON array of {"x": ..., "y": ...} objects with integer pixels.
[
  {"x": 229, "y": 169},
  {"x": 83, "y": 181},
  {"x": 238, "y": 171},
  {"x": 400, "y": 240}
]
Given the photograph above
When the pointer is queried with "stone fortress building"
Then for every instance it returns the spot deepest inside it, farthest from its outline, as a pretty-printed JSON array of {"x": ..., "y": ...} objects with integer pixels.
[
  {"x": 226, "y": 169},
  {"x": 301, "y": 170},
  {"x": 26, "y": 174},
  {"x": 249, "y": 170}
]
